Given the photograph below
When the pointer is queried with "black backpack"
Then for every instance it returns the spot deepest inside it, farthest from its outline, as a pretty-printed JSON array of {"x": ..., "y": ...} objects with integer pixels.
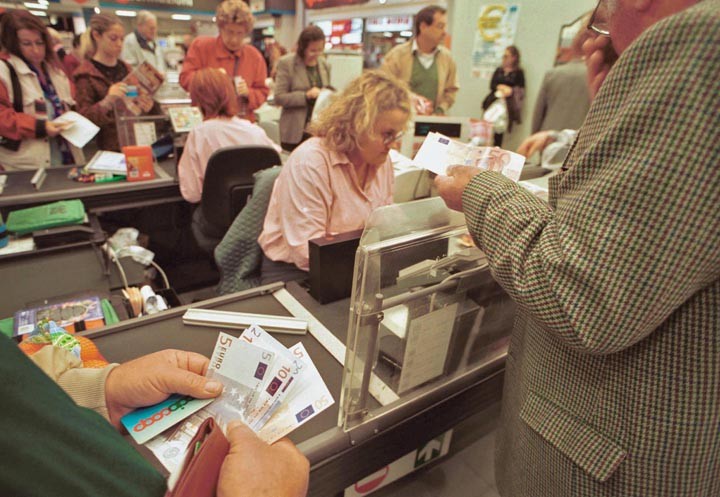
[{"x": 13, "y": 145}]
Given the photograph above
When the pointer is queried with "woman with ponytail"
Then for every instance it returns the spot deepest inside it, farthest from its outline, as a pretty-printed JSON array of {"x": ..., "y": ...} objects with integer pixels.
[{"x": 99, "y": 78}]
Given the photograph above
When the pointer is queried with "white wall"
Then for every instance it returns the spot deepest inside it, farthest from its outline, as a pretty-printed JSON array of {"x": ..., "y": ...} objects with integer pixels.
[{"x": 537, "y": 35}]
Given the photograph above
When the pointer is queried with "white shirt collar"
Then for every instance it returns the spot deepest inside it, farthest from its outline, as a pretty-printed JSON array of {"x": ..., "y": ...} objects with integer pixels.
[{"x": 417, "y": 50}]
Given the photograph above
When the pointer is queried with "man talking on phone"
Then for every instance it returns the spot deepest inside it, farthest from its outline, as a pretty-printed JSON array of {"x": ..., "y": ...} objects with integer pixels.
[{"x": 612, "y": 384}]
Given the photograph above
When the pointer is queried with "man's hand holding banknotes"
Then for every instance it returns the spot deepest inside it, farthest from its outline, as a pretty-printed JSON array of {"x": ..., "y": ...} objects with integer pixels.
[{"x": 252, "y": 468}]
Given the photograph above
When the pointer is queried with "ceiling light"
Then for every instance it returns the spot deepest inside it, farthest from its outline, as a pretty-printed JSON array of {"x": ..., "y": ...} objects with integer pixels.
[
  {"x": 97, "y": 10},
  {"x": 181, "y": 17},
  {"x": 126, "y": 13},
  {"x": 35, "y": 5},
  {"x": 39, "y": 13}
]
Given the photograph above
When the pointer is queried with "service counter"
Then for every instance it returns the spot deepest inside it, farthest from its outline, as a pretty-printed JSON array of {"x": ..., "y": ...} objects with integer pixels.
[
  {"x": 98, "y": 197},
  {"x": 339, "y": 458}
]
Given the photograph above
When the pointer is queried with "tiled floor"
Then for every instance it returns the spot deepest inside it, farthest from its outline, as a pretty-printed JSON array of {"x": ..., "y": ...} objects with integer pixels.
[{"x": 467, "y": 473}]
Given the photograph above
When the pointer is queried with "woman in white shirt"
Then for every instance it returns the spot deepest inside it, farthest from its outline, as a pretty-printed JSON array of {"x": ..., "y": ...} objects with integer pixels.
[{"x": 212, "y": 91}]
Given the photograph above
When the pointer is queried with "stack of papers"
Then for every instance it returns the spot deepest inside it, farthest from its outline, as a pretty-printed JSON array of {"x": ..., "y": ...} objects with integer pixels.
[
  {"x": 271, "y": 389},
  {"x": 105, "y": 161},
  {"x": 438, "y": 152}
]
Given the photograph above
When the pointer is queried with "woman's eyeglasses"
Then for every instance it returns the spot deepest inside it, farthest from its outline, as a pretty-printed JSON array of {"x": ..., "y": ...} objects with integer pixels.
[{"x": 389, "y": 138}]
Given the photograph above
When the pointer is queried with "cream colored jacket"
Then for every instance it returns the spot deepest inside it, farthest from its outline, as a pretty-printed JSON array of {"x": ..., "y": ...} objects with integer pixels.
[
  {"x": 34, "y": 152},
  {"x": 399, "y": 63}
]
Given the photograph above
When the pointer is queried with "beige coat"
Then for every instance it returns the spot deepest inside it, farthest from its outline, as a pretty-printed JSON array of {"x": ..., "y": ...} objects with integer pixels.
[
  {"x": 399, "y": 63},
  {"x": 291, "y": 83},
  {"x": 34, "y": 152}
]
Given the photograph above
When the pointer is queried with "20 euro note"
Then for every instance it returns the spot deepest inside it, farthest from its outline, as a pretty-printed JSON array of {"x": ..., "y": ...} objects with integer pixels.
[
  {"x": 310, "y": 397},
  {"x": 279, "y": 383}
]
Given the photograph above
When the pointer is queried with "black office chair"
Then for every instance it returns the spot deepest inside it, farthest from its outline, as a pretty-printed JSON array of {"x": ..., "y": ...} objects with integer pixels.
[{"x": 227, "y": 185}]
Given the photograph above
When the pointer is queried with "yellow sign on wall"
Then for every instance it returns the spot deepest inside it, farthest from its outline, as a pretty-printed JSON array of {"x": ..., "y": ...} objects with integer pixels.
[{"x": 489, "y": 20}]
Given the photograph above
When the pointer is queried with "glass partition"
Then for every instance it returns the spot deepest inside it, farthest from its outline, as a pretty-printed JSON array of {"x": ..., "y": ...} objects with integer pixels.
[{"x": 423, "y": 308}]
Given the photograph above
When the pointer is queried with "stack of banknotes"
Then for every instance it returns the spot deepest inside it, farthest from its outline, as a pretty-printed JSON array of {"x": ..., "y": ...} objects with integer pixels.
[{"x": 270, "y": 388}]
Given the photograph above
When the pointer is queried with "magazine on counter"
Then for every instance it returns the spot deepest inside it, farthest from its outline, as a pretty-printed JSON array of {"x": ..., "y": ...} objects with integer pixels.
[{"x": 73, "y": 314}]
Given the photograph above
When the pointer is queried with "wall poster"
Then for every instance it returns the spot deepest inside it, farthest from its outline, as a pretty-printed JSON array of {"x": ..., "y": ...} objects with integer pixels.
[{"x": 496, "y": 28}]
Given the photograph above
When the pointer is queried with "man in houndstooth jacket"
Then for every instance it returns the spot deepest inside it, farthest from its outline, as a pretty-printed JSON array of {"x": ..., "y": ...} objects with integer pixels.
[{"x": 612, "y": 383}]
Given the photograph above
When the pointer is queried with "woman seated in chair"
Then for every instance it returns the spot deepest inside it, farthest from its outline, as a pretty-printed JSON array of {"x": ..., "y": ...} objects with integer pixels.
[
  {"x": 333, "y": 181},
  {"x": 212, "y": 91}
]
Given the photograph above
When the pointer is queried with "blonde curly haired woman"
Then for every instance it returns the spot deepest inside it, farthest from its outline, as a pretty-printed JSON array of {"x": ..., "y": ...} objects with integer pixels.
[{"x": 332, "y": 182}]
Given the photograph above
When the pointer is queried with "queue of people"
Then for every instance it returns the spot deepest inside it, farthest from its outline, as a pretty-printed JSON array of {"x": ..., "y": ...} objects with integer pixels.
[{"x": 611, "y": 382}]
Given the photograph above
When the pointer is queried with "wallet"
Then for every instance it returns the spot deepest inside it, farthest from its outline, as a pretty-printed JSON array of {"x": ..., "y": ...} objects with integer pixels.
[{"x": 201, "y": 469}]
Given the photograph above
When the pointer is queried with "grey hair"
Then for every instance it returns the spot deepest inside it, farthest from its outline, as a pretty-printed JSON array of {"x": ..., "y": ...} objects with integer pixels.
[{"x": 145, "y": 15}]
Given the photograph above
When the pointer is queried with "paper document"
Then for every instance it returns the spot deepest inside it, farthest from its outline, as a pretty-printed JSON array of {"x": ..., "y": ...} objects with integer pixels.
[
  {"x": 108, "y": 162},
  {"x": 438, "y": 152},
  {"x": 82, "y": 130},
  {"x": 321, "y": 102}
]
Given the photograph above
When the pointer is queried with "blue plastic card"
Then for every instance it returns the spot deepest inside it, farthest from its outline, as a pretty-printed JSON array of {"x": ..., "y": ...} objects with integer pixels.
[{"x": 144, "y": 424}]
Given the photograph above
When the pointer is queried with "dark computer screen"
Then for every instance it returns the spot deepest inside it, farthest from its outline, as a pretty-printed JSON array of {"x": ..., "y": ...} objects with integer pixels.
[{"x": 448, "y": 129}]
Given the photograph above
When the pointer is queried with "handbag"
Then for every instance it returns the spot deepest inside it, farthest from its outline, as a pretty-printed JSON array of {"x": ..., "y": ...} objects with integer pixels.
[
  {"x": 201, "y": 469},
  {"x": 497, "y": 114},
  {"x": 13, "y": 145}
]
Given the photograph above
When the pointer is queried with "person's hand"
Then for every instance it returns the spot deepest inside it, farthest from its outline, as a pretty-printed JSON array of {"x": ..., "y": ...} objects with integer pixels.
[
  {"x": 599, "y": 58},
  {"x": 145, "y": 102},
  {"x": 312, "y": 93},
  {"x": 535, "y": 143},
  {"x": 506, "y": 90},
  {"x": 116, "y": 91},
  {"x": 423, "y": 106},
  {"x": 452, "y": 186},
  {"x": 150, "y": 379},
  {"x": 54, "y": 128},
  {"x": 253, "y": 468},
  {"x": 242, "y": 87}
]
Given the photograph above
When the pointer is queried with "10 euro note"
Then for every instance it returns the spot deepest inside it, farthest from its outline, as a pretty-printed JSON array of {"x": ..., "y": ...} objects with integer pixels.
[
  {"x": 280, "y": 381},
  {"x": 310, "y": 398}
]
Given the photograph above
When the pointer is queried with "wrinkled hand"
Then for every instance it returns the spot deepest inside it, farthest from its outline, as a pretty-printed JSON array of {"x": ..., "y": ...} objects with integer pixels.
[
  {"x": 116, "y": 91},
  {"x": 535, "y": 143},
  {"x": 599, "y": 58},
  {"x": 452, "y": 186},
  {"x": 54, "y": 128},
  {"x": 256, "y": 469},
  {"x": 312, "y": 93},
  {"x": 150, "y": 379}
]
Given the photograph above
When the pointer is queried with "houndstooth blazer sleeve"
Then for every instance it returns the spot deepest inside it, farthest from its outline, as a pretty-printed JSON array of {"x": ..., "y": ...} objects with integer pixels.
[{"x": 632, "y": 230}]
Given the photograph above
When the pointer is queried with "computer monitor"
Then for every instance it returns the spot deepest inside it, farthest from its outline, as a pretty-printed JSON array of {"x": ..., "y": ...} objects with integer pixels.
[{"x": 450, "y": 126}]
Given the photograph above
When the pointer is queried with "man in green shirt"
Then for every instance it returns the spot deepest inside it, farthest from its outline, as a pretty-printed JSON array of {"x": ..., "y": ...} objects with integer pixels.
[{"x": 425, "y": 64}]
